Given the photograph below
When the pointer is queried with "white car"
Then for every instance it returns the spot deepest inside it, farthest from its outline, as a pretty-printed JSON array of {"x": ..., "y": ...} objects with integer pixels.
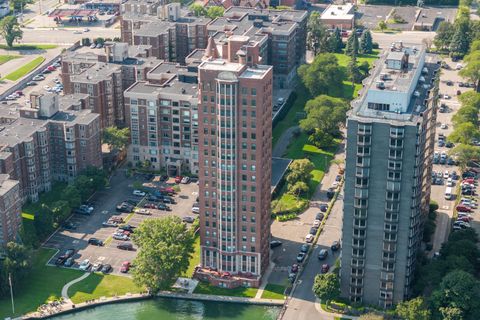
[
  {"x": 196, "y": 210},
  {"x": 77, "y": 32},
  {"x": 120, "y": 236},
  {"x": 316, "y": 223},
  {"x": 309, "y": 238},
  {"x": 446, "y": 174},
  {"x": 139, "y": 193},
  {"x": 93, "y": 46},
  {"x": 86, "y": 30},
  {"x": 84, "y": 265},
  {"x": 446, "y": 96},
  {"x": 142, "y": 211},
  {"x": 185, "y": 180},
  {"x": 449, "y": 182},
  {"x": 444, "y": 126}
]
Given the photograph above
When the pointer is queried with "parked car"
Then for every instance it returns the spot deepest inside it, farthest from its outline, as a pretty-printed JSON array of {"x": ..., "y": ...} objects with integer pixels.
[
  {"x": 325, "y": 268},
  {"x": 139, "y": 193},
  {"x": 125, "y": 246},
  {"x": 84, "y": 265},
  {"x": 335, "y": 246},
  {"x": 163, "y": 207},
  {"x": 143, "y": 211},
  {"x": 185, "y": 180},
  {"x": 301, "y": 256},
  {"x": 120, "y": 236},
  {"x": 178, "y": 179},
  {"x": 69, "y": 225},
  {"x": 31, "y": 83},
  {"x": 316, "y": 223},
  {"x": 304, "y": 247},
  {"x": 125, "y": 267},
  {"x": 97, "y": 267},
  {"x": 330, "y": 193},
  {"x": 463, "y": 208},
  {"x": 319, "y": 216},
  {"x": 109, "y": 224},
  {"x": 309, "y": 238},
  {"x": 294, "y": 268},
  {"x": 95, "y": 242},
  {"x": 124, "y": 207},
  {"x": 69, "y": 262},
  {"x": 275, "y": 243},
  {"x": 106, "y": 268},
  {"x": 196, "y": 210},
  {"x": 167, "y": 199},
  {"x": 188, "y": 219},
  {"x": 322, "y": 254},
  {"x": 323, "y": 207},
  {"x": 38, "y": 77}
]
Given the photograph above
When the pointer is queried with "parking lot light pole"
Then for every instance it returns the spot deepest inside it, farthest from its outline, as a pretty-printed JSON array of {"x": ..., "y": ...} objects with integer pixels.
[{"x": 11, "y": 291}]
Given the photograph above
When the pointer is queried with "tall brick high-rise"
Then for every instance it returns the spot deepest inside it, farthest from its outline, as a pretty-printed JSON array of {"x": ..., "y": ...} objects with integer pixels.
[{"x": 235, "y": 146}]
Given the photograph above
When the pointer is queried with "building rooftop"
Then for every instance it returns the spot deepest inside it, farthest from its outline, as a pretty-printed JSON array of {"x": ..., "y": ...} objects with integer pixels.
[
  {"x": 401, "y": 78},
  {"x": 6, "y": 184},
  {"x": 221, "y": 65},
  {"x": 174, "y": 87},
  {"x": 338, "y": 12},
  {"x": 99, "y": 72},
  {"x": 257, "y": 72}
]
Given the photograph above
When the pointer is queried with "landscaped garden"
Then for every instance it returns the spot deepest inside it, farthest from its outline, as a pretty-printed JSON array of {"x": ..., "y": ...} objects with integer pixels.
[
  {"x": 5, "y": 58},
  {"x": 29, "y": 46},
  {"x": 205, "y": 288},
  {"x": 273, "y": 291}
]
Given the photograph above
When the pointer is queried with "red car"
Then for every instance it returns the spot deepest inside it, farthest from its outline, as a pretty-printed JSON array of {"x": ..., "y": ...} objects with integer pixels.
[
  {"x": 325, "y": 268},
  {"x": 168, "y": 190},
  {"x": 51, "y": 68},
  {"x": 469, "y": 180},
  {"x": 463, "y": 218},
  {"x": 125, "y": 267},
  {"x": 462, "y": 208},
  {"x": 294, "y": 268},
  {"x": 178, "y": 179},
  {"x": 150, "y": 206}
]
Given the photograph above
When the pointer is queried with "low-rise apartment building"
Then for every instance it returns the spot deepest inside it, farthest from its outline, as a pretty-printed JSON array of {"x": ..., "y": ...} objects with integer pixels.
[{"x": 48, "y": 140}]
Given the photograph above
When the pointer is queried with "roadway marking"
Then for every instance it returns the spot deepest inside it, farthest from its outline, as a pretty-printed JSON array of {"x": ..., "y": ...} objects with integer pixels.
[
  {"x": 101, "y": 258},
  {"x": 445, "y": 207}
]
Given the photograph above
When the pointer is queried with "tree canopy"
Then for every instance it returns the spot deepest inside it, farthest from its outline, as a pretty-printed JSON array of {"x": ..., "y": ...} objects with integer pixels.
[
  {"x": 317, "y": 34},
  {"x": 414, "y": 309},
  {"x": 323, "y": 75},
  {"x": 17, "y": 262},
  {"x": 116, "y": 138},
  {"x": 352, "y": 44},
  {"x": 326, "y": 286},
  {"x": 165, "y": 246},
  {"x": 366, "y": 43},
  {"x": 10, "y": 30}
]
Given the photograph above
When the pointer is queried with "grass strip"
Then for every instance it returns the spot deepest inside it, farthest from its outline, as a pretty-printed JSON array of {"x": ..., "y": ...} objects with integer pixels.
[{"x": 25, "y": 69}]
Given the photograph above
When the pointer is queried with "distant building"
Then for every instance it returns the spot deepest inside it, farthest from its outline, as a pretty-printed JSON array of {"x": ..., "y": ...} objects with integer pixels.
[
  {"x": 10, "y": 209},
  {"x": 256, "y": 4},
  {"x": 235, "y": 150},
  {"x": 389, "y": 151},
  {"x": 4, "y": 8},
  {"x": 53, "y": 138},
  {"x": 339, "y": 16}
]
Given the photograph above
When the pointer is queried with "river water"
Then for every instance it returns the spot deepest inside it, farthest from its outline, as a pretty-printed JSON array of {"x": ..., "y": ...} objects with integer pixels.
[{"x": 175, "y": 309}]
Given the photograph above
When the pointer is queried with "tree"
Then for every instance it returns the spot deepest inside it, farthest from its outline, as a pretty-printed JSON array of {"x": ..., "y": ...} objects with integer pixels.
[
  {"x": 352, "y": 45},
  {"x": 10, "y": 30},
  {"x": 43, "y": 222},
  {"x": 215, "y": 12},
  {"x": 382, "y": 25},
  {"x": 197, "y": 9},
  {"x": 335, "y": 43},
  {"x": 116, "y": 138},
  {"x": 60, "y": 210},
  {"x": 326, "y": 286},
  {"x": 84, "y": 186},
  {"x": 165, "y": 246},
  {"x": 464, "y": 248},
  {"x": 414, "y": 309},
  {"x": 444, "y": 35},
  {"x": 354, "y": 71},
  {"x": 299, "y": 170},
  {"x": 466, "y": 234},
  {"x": 470, "y": 99},
  {"x": 317, "y": 34},
  {"x": 464, "y": 133},
  {"x": 323, "y": 75},
  {"x": 460, "y": 40},
  {"x": 471, "y": 71},
  {"x": 451, "y": 313},
  {"x": 16, "y": 262},
  {"x": 72, "y": 196},
  {"x": 466, "y": 114},
  {"x": 458, "y": 289},
  {"x": 98, "y": 177},
  {"x": 325, "y": 114},
  {"x": 366, "y": 43},
  {"x": 465, "y": 153},
  {"x": 298, "y": 188},
  {"x": 20, "y": 4}
]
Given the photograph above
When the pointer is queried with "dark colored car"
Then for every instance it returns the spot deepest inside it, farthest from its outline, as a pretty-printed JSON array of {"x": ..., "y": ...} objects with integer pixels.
[
  {"x": 164, "y": 207},
  {"x": 81, "y": 211},
  {"x": 462, "y": 208},
  {"x": 124, "y": 207},
  {"x": 330, "y": 193},
  {"x": 324, "y": 207},
  {"x": 153, "y": 198},
  {"x": 325, "y": 268},
  {"x": 131, "y": 202},
  {"x": 319, "y": 216},
  {"x": 313, "y": 231},
  {"x": 69, "y": 262},
  {"x": 125, "y": 246},
  {"x": 95, "y": 242},
  {"x": 294, "y": 268},
  {"x": 335, "y": 246},
  {"x": 150, "y": 206},
  {"x": 68, "y": 253},
  {"x": 275, "y": 243},
  {"x": 304, "y": 247},
  {"x": 127, "y": 227},
  {"x": 323, "y": 254},
  {"x": 188, "y": 219},
  {"x": 69, "y": 225},
  {"x": 167, "y": 199},
  {"x": 106, "y": 268},
  {"x": 301, "y": 256}
]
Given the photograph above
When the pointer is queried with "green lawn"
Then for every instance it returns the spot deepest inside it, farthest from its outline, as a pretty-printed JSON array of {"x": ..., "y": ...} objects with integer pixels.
[
  {"x": 343, "y": 59},
  {"x": 291, "y": 119},
  {"x": 205, "y": 288},
  {"x": 41, "y": 285},
  {"x": 5, "y": 58},
  {"x": 25, "y": 69},
  {"x": 195, "y": 259},
  {"x": 273, "y": 291},
  {"x": 46, "y": 198},
  {"x": 99, "y": 285},
  {"x": 30, "y": 46}
]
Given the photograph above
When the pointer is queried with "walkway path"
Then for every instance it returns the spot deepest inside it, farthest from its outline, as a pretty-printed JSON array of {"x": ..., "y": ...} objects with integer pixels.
[
  {"x": 68, "y": 285},
  {"x": 282, "y": 143},
  {"x": 265, "y": 280}
]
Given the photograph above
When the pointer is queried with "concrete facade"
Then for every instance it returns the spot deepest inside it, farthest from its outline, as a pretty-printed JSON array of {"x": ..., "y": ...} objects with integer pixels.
[{"x": 389, "y": 154}]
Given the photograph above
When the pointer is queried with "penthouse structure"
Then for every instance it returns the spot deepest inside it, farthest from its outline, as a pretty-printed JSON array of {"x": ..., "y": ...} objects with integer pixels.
[
  {"x": 10, "y": 209},
  {"x": 51, "y": 139},
  {"x": 104, "y": 77},
  {"x": 389, "y": 150},
  {"x": 339, "y": 16},
  {"x": 162, "y": 114},
  {"x": 235, "y": 146},
  {"x": 173, "y": 33}
]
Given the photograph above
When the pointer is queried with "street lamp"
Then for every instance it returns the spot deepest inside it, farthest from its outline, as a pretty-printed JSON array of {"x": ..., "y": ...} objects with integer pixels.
[{"x": 11, "y": 292}]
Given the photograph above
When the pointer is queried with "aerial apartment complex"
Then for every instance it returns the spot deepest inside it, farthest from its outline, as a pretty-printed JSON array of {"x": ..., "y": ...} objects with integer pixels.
[
  {"x": 389, "y": 150},
  {"x": 235, "y": 147}
]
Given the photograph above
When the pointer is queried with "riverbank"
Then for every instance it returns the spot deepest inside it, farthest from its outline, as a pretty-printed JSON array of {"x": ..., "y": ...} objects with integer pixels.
[{"x": 68, "y": 308}]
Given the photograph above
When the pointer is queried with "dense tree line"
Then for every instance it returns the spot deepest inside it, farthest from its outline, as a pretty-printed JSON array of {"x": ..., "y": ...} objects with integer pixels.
[{"x": 16, "y": 264}]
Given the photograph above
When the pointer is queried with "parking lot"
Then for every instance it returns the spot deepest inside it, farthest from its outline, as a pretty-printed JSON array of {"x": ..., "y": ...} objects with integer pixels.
[{"x": 104, "y": 207}]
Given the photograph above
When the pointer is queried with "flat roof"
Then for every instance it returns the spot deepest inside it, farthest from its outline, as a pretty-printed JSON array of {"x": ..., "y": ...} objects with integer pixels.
[
  {"x": 338, "y": 12},
  {"x": 221, "y": 65},
  {"x": 73, "y": 13},
  {"x": 6, "y": 184}
]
